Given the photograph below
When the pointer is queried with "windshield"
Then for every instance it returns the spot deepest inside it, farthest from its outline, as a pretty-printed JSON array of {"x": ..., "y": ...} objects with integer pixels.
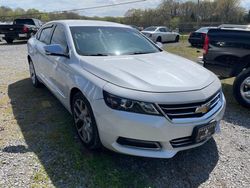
[
  {"x": 102, "y": 41},
  {"x": 150, "y": 29},
  {"x": 204, "y": 29},
  {"x": 24, "y": 21}
]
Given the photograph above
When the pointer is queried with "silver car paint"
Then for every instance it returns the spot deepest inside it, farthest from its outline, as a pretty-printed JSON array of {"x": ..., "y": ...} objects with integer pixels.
[{"x": 173, "y": 80}]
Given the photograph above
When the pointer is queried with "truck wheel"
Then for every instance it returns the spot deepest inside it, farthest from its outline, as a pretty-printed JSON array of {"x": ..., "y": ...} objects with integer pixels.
[
  {"x": 241, "y": 88},
  {"x": 9, "y": 41}
]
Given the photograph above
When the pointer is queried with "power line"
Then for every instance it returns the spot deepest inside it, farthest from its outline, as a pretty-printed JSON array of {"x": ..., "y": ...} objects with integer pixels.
[
  {"x": 76, "y": 10},
  {"x": 105, "y": 6}
]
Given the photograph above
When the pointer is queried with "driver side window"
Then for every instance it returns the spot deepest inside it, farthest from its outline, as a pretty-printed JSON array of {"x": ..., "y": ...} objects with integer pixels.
[
  {"x": 59, "y": 37},
  {"x": 46, "y": 35}
]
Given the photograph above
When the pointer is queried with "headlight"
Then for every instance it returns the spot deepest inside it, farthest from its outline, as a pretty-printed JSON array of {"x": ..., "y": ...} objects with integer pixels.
[{"x": 129, "y": 105}]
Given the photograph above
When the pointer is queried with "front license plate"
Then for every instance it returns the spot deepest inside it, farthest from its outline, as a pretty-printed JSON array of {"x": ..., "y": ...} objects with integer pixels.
[{"x": 205, "y": 132}]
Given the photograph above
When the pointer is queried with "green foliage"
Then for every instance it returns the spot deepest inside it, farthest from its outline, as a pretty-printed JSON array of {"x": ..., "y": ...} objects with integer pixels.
[{"x": 184, "y": 15}]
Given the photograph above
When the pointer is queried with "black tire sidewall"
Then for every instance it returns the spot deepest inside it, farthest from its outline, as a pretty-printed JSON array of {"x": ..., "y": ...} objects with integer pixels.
[
  {"x": 177, "y": 38},
  {"x": 9, "y": 41},
  {"x": 37, "y": 83},
  {"x": 158, "y": 39},
  {"x": 236, "y": 87},
  {"x": 95, "y": 141}
]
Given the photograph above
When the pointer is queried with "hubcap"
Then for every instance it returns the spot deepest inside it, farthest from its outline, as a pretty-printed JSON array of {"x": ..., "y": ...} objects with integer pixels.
[
  {"x": 245, "y": 89},
  {"x": 32, "y": 73},
  {"x": 83, "y": 121}
]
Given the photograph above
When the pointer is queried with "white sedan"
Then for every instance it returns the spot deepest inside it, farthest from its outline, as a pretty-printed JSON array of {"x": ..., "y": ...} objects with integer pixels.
[
  {"x": 123, "y": 91},
  {"x": 161, "y": 34}
]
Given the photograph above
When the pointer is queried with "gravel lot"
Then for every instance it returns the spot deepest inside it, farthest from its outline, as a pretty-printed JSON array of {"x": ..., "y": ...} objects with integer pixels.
[{"x": 39, "y": 146}]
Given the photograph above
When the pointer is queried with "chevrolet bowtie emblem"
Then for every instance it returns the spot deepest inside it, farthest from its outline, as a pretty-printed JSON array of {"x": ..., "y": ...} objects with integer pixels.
[{"x": 203, "y": 109}]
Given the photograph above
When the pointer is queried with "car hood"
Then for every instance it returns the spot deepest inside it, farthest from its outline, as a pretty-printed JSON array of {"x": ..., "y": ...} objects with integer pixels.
[{"x": 155, "y": 72}]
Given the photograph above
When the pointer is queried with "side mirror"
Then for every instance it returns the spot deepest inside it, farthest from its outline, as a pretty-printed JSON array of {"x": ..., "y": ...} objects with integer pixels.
[
  {"x": 159, "y": 44},
  {"x": 55, "y": 50}
]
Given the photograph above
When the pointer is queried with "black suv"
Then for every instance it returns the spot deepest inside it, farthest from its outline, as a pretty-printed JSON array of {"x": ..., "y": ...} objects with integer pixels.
[{"x": 227, "y": 54}]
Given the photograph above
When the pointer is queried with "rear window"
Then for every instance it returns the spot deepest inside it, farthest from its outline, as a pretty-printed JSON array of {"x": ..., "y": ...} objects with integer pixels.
[
  {"x": 202, "y": 30},
  {"x": 24, "y": 21}
]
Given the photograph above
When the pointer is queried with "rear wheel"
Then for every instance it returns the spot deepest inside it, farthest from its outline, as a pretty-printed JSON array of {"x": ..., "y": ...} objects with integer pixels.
[
  {"x": 241, "y": 88},
  {"x": 84, "y": 121},
  {"x": 35, "y": 82},
  {"x": 9, "y": 41}
]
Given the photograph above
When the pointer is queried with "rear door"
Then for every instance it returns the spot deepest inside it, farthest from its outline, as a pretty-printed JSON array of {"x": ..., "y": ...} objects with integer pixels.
[
  {"x": 170, "y": 35},
  {"x": 164, "y": 36},
  {"x": 42, "y": 60}
]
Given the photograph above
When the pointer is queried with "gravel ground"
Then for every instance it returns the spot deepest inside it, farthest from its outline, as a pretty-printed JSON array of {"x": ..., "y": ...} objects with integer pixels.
[{"x": 33, "y": 152}]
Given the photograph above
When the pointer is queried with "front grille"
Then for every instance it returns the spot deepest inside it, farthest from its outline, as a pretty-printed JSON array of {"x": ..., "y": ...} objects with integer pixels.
[
  {"x": 182, "y": 142},
  {"x": 141, "y": 144},
  {"x": 178, "y": 111}
]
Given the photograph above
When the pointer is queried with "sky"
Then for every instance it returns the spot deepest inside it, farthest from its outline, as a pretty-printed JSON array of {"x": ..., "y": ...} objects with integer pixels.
[{"x": 55, "y": 5}]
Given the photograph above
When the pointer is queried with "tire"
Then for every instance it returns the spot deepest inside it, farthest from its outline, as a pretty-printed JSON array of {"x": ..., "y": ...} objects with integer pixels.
[
  {"x": 35, "y": 82},
  {"x": 159, "y": 39},
  {"x": 85, "y": 123},
  {"x": 241, "y": 88},
  {"x": 177, "y": 38},
  {"x": 9, "y": 41}
]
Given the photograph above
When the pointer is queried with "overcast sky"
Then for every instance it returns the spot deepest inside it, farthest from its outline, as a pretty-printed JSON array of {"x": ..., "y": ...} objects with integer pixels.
[{"x": 54, "y": 5}]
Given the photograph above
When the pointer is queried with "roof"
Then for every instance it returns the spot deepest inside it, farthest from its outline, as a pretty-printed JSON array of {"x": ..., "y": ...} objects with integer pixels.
[
  {"x": 89, "y": 23},
  {"x": 234, "y": 26}
]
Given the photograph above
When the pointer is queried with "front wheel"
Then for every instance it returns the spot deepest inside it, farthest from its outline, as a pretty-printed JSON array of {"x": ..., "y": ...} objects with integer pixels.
[
  {"x": 84, "y": 121},
  {"x": 177, "y": 38},
  {"x": 9, "y": 41},
  {"x": 159, "y": 39},
  {"x": 241, "y": 88}
]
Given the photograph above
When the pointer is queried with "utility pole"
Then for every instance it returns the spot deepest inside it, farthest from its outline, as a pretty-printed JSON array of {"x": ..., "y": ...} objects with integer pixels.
[{"x": 198, "y": 14}]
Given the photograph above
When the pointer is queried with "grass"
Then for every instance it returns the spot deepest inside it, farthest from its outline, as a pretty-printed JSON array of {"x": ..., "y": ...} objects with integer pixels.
[
  {"x": 184, "y": 49},
  {"x": 47, "y": 129}
]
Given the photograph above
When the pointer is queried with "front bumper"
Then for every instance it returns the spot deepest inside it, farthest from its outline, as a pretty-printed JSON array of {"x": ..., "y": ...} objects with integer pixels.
[{"x": 113, "y": 124}]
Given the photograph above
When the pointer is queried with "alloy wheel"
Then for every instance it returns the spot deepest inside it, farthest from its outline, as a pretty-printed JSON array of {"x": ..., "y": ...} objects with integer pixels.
[
  {"x": 245, "y": 89},
  {"x": 83, "y": 121}
]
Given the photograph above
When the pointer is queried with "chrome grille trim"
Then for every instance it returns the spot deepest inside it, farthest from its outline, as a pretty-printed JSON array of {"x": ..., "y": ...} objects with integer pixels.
[
  {"x": 180, "y": 112},
  {"x": 182, "y": 142}
]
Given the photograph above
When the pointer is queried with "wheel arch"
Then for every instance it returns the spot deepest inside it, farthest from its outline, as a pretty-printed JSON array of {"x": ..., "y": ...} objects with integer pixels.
[
  {"x": 244, "y": 63},
  {"x": 73, "y": 91}
]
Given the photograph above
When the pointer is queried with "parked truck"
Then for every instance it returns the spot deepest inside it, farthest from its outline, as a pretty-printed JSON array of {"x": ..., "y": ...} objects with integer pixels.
[
  {"x": 21, "y": 29},
  {"x": 227, "y": 54}
]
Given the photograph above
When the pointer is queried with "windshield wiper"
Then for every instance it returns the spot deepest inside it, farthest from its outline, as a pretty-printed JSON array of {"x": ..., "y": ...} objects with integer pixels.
[
  {"x": 136, "y": 53},
  {"x": 98, "y": 54}
]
